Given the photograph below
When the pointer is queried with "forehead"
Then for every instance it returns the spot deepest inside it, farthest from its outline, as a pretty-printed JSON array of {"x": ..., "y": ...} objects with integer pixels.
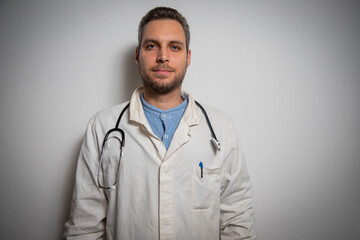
[{"x": 164, "y": 30}]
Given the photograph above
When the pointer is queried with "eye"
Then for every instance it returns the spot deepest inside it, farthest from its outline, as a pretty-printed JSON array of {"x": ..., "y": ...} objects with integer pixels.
[
  {"x": 175, "y": 48},
  {"x": 150, "y": 46}
]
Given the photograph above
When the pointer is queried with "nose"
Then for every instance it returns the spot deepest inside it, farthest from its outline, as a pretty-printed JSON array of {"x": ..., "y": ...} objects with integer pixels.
[{"x": 162, "y": 56}]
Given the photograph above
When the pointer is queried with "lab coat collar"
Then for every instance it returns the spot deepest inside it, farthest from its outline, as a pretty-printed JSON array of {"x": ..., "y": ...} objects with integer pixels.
[
  {"x": 191, "y": 114},
  {"x": 182, "y": 134}
]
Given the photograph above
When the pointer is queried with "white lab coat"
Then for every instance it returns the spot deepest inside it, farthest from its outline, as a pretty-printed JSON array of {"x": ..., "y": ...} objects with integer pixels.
[{"x": 160, "y": 194}]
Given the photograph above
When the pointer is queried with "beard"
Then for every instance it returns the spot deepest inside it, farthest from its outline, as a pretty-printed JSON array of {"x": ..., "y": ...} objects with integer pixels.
[{"x": 157, "y": 86}]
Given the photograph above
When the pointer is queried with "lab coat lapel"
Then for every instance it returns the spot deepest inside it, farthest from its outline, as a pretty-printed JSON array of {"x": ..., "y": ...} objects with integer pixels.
[
  {"x": 182, "y": 134},
  {"x": 137, "y": 115}
]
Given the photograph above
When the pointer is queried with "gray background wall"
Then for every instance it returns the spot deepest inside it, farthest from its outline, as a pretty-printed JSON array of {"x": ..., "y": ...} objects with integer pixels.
[{"x": 287, "y": 72}]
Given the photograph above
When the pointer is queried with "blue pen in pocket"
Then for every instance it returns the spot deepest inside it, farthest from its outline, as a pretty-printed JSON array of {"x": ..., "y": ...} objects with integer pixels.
[{"x": 201, "y": 169}]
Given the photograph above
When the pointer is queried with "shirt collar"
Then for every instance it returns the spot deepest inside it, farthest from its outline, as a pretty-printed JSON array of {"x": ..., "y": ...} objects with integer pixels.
[
  {"x": 175, "y": 110},
  {"x": 191, "y": 114}
]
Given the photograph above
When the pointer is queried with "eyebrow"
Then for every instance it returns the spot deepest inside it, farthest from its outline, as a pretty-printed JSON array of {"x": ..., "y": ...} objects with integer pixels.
[{"x": 157, "y": 42}]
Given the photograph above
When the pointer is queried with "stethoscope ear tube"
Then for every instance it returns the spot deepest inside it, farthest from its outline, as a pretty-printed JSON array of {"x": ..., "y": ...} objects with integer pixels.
[
  {"x": 120, "y": 116},
  {"x": 106, "y": 145},
  {"x": 214, "y": 140},
  {"x": 122, "y": 141}
]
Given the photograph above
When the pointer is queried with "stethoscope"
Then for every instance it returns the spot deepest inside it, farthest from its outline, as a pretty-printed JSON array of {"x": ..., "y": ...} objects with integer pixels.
[{"x": 121, "y": 140}]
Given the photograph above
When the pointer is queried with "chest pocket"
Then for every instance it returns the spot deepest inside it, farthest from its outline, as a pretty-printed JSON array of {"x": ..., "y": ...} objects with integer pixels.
[{"x": 205, "y": 190}]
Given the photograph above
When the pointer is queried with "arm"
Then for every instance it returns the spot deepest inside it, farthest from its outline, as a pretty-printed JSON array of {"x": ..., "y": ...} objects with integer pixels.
[
  {"x": 89, "y": 204},
  {"x": 236, "y": 212}
]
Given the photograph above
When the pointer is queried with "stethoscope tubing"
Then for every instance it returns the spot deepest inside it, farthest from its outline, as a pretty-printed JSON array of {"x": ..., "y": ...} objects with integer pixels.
[
  {"x": 214, "y": 140},
  {"x": 213, "y": 135}
]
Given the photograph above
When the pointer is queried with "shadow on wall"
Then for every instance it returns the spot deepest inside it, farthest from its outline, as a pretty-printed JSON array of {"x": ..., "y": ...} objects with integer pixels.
[
  {"x": 129, "y": 79},
  {"x": 69, "y": 183}
]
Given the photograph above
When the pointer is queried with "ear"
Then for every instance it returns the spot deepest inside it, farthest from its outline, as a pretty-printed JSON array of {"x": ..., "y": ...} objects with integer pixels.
[
  {"x": 137, "y": 52},
  {"x": 188, "y": 60}
]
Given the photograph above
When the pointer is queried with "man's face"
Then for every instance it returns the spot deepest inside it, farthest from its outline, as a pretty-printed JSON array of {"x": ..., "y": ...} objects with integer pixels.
[{"x": 162, "y": 56}]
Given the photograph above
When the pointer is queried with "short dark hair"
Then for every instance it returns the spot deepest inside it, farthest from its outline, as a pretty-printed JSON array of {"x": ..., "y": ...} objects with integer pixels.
[{"x": 160, "y": 13}]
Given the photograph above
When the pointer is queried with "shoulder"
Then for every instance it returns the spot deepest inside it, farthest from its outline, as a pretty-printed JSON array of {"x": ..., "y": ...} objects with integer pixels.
[
  {"x": 107, "y": 117},
  {"x": 215, "y": 114}
]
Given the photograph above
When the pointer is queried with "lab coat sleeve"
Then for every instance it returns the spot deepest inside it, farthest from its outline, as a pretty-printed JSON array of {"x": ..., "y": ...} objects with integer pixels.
[
  {"x": 236, "y": 212},
  {"x": 89, "y": 204}
]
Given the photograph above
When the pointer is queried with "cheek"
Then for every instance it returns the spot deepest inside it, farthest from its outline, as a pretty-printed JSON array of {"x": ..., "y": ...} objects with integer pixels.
[
  {"x": 179, "y": 59},
  {"x": 180, "y": 63},
  {"x": 143, "y": 62},
  {"x": 148, "y": 57}
]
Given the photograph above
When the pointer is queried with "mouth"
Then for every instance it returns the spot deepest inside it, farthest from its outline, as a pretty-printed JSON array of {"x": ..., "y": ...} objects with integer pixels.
[{"x": 162, "y": 70}]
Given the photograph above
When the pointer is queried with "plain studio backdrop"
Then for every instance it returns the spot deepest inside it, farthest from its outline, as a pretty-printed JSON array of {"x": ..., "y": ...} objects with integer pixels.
[{"x": 287, "y": 72}]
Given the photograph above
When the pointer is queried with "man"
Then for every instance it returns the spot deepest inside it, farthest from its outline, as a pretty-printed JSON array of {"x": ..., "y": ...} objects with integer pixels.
[{"x": 170, "y": 181}]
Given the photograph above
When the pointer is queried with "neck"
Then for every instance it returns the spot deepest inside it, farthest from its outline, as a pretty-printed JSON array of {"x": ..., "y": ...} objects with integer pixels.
[{"x": 163, "y": 101}]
